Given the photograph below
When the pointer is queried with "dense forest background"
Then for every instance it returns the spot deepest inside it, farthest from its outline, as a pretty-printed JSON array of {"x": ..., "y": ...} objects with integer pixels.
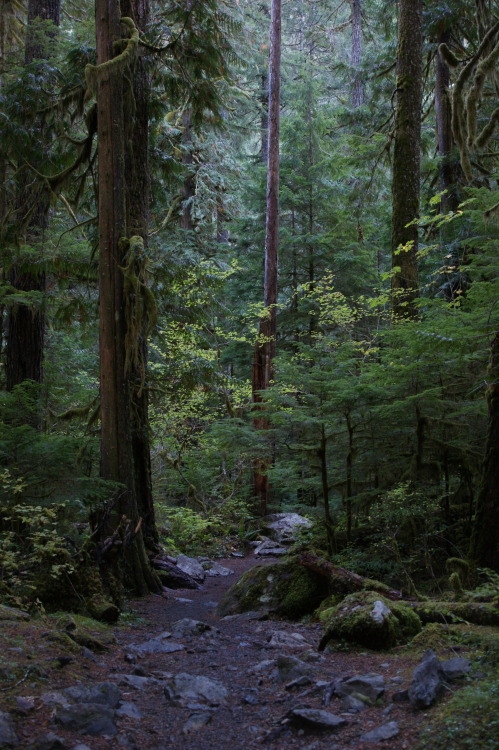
[{"x": 133, "y": 233}]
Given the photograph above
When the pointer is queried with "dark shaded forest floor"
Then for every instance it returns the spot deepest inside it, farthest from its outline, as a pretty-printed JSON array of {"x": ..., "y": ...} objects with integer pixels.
[{"x": 235, "y": 651}]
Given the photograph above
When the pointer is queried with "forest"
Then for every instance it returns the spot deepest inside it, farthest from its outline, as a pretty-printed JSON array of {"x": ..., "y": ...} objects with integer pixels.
[
  {"x": 249, "y": 264},
  {"x": 250, "y": 267}
]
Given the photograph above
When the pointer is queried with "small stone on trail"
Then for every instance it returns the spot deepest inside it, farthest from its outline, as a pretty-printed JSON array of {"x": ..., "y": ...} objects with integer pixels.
[
  {"x": 129, "y": 710},
  {"x": 384, "y": 732},
  {"x": 25, "y": 703},
  {"x": 87, "y": 718},
  {"x": 187, "y": 627},
  {"x": 185, "y": 688},
  {"x": 369, "y": 686},
  {"x": 8, "y": 736},
  {"x": 104, "y": 693},
  {"x": 196, "y": 721},
  {"x": 315, "y": 717},
  {"x": 49, "y": 741},
  {"x": 283, "y": 639}
]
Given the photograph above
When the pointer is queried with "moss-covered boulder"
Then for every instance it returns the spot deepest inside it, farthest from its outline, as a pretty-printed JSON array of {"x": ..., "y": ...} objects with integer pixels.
[
  {"x": 285, "y": 589},
  {"x": 368, "y": 619}
]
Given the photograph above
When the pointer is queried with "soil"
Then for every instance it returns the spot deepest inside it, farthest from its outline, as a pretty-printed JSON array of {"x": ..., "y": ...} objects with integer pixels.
[{"x": 258, "y": 702}]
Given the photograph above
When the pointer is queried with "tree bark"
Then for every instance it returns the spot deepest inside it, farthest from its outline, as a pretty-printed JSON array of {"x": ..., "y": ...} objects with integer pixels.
[
  {"x": 26, "y": 322},
  {"x": 406, "y": 159},
  {"x": 485, "y": 537},
  {"x": 137, "y": 219},
  {"x": 357, "y": 96},
  {"x": 131, "y": 566},
  {"x": 265, "y": 347}
]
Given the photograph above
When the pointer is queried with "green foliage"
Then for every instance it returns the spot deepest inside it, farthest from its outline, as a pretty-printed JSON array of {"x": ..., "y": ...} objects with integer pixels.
[
  {"x": 193, "y": 533},
  {"x": 469, "y": 719}
]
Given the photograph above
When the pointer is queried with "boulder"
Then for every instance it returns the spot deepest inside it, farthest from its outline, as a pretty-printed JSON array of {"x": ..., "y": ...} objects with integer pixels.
[
  {"x": 284, "y": 588},
  {"x": 192, "y": 567},
  {"x": 284, "y": 527},
  {"x": 368, "y": 619}
]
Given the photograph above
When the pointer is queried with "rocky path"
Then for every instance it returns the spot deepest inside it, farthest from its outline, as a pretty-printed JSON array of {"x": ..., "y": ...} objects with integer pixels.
[{"x": 185, "y": 679}]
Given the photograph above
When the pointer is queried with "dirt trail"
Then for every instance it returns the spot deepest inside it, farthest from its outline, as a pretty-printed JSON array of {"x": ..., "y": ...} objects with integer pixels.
[{"x": 258, "y": 701}]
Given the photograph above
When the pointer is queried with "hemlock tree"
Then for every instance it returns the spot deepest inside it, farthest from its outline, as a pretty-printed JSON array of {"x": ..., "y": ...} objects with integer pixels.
[
  {"x": 265, "y": 346},
  {"x": 119, "y": 525},
  {"x": 406, "y": 159},
  {"x": 26, "y": 322}
]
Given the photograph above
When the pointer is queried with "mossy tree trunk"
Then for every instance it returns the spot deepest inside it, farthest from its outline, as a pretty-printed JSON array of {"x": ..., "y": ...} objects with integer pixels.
[
  {"x": 121, "y": 540},
  {"x": 137, "y": 217},
  {"x": 265, "y": 347},
  {"x": 406, "y": 159}
]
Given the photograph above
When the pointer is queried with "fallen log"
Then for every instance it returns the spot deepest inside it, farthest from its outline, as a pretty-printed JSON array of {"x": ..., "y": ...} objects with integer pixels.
[
  {"x": 171, "y": 575},
  {"x": 343, "y": 580}
]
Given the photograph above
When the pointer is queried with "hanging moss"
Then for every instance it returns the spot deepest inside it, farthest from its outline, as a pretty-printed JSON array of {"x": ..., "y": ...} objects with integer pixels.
[{"x": 117, "y": 65}]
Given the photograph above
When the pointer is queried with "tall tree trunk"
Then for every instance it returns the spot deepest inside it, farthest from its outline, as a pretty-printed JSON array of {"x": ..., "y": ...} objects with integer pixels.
[
  {"x": 26, "y": 324},
  {"x": 137, "y": 219},
  {"x": 122, "y": 522},
  {"x": 485, "y": 537},
  {"x": 406, "y": 159},
  {"x": 189, "y": 183},
  {"x": 265, "y": 346},
  {"x": 449, "y": 164},
  {"x": 357, "y": 96}
]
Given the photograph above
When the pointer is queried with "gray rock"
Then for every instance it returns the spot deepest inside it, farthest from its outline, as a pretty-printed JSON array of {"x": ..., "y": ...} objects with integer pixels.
[
  {"x": 87, "y": 718},
  {"x": 11, "y": 613},
  {"x": 196, "y": 721},
  {"x": 102, "y": 694},
  {"x": 384, "y": 732},
  {"x": 283, "y": 639},
  {"x": 187, "y": 628},
  {"x": 266, "y": 666},
  {"x": 49, "y": 741},
  {"x": 215, "y": 569},
  {"x": 53, "y": 698},
  {"x": 192, "y": 567},
  {"x": 427, "y": 682},
  {"x": 317, "y": 718},
  {"x": 369, "y": 686},
  {"x": 81, "y": 746},
  {"x": 133, "y": 680},
  {"x": 268, "y": 547},
  {"x": 158, "y": 645},
  {"x": 25, "y": 704},
  {"x": 186, "y": 688},
  {"x": 8, "y": 736},
  {"x": 352, "y": 704},
  {"x": 130, "y": 710},
  {"x": 284, "y": 527},
  {"x": 291, "y": 668},
  {"x": 302, "y": 681},
  {"x": 456, "y": 668}
]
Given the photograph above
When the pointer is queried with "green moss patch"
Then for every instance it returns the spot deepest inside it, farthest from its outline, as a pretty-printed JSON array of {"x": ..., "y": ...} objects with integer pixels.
[{"x": 286, "y": 589}]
